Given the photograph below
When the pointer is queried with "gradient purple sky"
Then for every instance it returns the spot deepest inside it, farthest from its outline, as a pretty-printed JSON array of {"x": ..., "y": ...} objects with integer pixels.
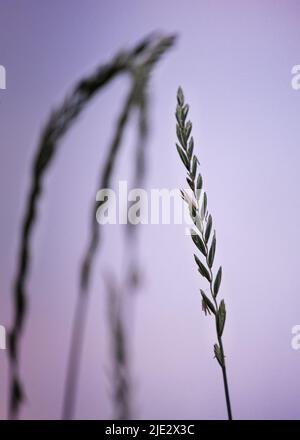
[{"x": 234, "y": 61}]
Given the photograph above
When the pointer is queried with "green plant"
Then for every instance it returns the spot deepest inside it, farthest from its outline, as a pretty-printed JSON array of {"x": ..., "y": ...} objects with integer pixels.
[
  {"x": 120, "y": 369},
  {"x": 138, "y": 63},
  {"x": 202, "y": 235},
  {"x": 140, "y": 69}
]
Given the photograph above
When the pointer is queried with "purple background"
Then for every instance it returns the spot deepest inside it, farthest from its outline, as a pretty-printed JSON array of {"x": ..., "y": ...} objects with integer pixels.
[{"x": 234, "y": 60}]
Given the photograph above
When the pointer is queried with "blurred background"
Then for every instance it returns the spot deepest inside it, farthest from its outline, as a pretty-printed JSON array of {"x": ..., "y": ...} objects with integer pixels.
[{"x": 234, "y": 61}]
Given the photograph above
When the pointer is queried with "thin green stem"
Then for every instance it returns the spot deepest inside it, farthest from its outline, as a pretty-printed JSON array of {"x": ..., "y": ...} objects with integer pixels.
[
  {"x": 226, "y": 388},
  {"x": 224, "y": 373}
]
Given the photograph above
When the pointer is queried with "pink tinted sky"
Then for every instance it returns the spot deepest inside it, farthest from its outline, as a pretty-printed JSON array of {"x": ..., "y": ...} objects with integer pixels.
[{"x": 234, "y": 60}]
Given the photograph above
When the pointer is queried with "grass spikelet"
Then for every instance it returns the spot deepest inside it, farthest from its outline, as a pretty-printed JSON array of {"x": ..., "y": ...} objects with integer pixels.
[{"x": 202, "y": 238}]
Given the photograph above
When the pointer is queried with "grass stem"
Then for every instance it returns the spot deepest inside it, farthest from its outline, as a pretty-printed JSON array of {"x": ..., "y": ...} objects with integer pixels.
[{"x": 202, "y": 236}]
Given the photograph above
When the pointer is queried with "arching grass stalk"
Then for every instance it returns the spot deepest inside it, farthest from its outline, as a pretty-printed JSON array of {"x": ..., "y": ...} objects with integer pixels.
[
  {"x": 140, "y": 71},
  {"x": 58, "y": 124},
  {"x": 202, "y": 235}
]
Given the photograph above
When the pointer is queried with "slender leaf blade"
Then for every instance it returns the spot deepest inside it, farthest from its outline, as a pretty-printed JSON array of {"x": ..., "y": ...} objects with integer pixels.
[
  {"x": 208, "y": 302},
  {"x": 208, "y": 229},
  {"x": 183, "y": 157},
  {"x": 212, "y": 251},
  {"x": 221, "y": 318},
  {"x": 202, "y": 269},
  {"x": 217, "y": 282},
  {"x": 218, "y": 355},
  {"x": 198, "y": 242}
]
